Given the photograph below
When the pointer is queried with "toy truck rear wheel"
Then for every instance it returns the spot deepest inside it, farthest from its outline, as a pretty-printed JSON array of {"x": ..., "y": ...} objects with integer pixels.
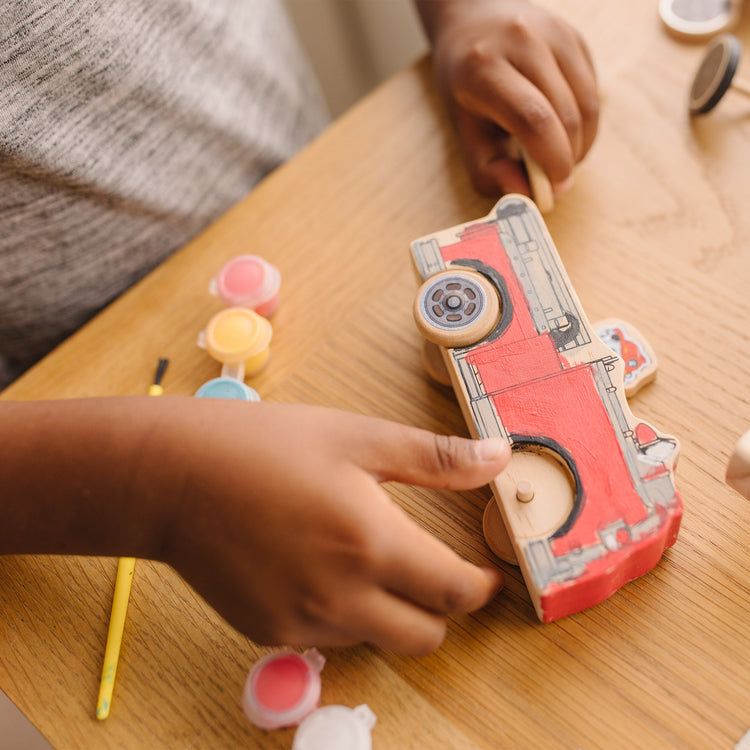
[{"x": 456, "y": 307}]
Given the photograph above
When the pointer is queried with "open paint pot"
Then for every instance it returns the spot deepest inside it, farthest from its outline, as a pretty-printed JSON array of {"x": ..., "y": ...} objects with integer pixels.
[
  {"x": 229, "y": 388},
  {"x": 283, "y": 688},
  {"x": 248, "y": 281},
  {"x": 240, "y": 339}
]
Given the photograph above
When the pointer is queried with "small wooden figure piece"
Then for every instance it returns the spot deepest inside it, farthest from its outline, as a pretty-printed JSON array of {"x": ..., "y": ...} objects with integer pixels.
[
  {"x": 697, "y": 20},
  {"x": 541, "y": 187},
  {"x": 588, "y": 501},
  {"x": 629, "y": 343},
  {"x": 715, "y": 75},
  {"x": 738, "y": 468}
]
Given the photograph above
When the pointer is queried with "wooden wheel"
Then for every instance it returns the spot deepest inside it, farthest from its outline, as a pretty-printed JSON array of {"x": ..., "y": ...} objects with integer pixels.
[
  {"x": 496, "y": 534},
  {"x": 432, "y": 359},
  {"x": 456, "y": 307},
  {"x": 537, "y": 489},
  {"x": 699, "y": 20},
  {"x": 715, "y": 73}
]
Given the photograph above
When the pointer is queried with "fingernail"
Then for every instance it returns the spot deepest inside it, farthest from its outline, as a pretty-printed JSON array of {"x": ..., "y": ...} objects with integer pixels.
[
  {"x": 563, "y": 187},
  {"x": 490, "y": 449},
  {"x": 496, "y": 577}
]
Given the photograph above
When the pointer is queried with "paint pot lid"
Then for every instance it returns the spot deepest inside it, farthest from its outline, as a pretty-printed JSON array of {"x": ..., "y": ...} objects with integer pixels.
[
  {"x": 247, "y": 281},
  {"x": 336, "y": 728},
  {"x": 283, "y": 688},
  {"x": 225, "y": 387},
  {"x": 236, "y": 334}
]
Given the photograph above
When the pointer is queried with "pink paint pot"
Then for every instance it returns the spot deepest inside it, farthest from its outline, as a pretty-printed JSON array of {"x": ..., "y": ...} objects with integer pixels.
[
  {"x": 283, "y": 688},
  {"x": 248, "y": 281}
]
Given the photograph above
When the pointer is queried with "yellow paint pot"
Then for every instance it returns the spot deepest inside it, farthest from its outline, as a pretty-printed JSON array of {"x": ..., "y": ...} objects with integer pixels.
[{"x": 238, "y": 336}]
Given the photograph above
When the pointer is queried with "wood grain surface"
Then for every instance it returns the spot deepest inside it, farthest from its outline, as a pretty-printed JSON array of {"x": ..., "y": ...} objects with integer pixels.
[{"x": 656, "y": 230}]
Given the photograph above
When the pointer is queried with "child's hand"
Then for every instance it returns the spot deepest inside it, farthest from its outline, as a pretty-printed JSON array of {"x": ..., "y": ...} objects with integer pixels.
[
  {"x": 510, "y": 67},
  {"x": 273, "y": 512},
  {"x": 281, "y": 524}
]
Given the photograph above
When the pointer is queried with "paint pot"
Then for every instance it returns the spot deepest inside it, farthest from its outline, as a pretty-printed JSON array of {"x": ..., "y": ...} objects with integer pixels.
[
  {"x": 230, "y": 388},
  {"x": 248, "y": 281},
  {"x": 283, "y": 688},
  {"x": 238, "y": 338},
  {"x": 336, "y": 728}
]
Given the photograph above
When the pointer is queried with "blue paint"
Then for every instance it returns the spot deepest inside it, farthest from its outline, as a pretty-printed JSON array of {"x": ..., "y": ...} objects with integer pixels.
[{"x": 230, "y": 388}]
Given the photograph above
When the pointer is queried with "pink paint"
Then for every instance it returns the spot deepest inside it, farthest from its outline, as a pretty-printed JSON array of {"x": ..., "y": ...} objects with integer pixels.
[
  {"x": 243, "y": 275},
  {"x": 282, "y": 688},
  {"x": 249, "y": 281},
  {"x": 282, "y": 683}
]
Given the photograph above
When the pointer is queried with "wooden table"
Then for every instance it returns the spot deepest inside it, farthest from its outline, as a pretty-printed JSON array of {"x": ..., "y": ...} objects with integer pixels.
[{"x": 656, "y": 230}]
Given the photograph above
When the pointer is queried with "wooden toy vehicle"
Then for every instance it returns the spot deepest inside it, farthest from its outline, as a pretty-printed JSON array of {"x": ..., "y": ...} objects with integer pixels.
[{"x": 588, "y": 500}]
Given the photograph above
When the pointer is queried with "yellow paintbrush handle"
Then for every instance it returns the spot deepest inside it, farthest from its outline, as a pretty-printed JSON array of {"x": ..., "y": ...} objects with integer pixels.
[{"x": 124, "y": 580}]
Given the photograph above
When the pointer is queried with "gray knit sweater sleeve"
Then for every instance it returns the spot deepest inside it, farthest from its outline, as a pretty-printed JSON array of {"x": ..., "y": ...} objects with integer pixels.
[{"x": 126, "y": 126}]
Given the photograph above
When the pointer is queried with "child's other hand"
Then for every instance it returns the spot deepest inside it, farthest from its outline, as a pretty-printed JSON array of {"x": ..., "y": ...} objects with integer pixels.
[
  {"x": 281, "y": 524},
  {"x": 510, "y": 67}
]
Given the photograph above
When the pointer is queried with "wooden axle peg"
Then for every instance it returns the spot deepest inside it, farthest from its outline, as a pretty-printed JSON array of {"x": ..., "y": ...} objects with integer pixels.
[{"x": 524, "y": 491}]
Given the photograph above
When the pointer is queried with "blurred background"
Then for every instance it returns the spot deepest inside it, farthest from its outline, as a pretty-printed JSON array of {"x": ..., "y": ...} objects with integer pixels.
[{"x": 353, "y": 45}]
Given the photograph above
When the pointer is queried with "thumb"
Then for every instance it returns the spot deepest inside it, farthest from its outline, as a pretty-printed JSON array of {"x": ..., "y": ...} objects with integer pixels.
[{"x": 414, "y": 456}]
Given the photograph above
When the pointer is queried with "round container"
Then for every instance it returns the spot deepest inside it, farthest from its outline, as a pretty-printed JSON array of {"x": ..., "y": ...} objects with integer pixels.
[
  {"x": 238, "y": 336},
  {"x": 336, "y": 728},
  {"x": 249, "y": 281},
  {"x": 230, "y": 388},
  {"x": 283, "y": 688}
]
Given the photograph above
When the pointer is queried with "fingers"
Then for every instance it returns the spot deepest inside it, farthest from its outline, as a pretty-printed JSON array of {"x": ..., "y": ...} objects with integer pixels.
[
  {"x": 545, "y": 119},
  {"x": 547, "y": 116},
  {"x": 388, "y": 621},
  {"x": 558, "y": 64},
  {"x": 423, "y": 570},
  {"x": 391, "y": 451},
  {"x": 416, "y": 582},
  {"x": 394, "y": 587},
  {"x": 374, "y": 616},
  {"x": 403, "y": 558},
  {"x": 490, "y": 166},
  {"x": 540, "y": 85},
  {"x": 578, "y": 69}
]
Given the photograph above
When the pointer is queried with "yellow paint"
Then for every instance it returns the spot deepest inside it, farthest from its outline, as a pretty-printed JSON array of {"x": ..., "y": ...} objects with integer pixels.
[{"x": 237, "y": 335}]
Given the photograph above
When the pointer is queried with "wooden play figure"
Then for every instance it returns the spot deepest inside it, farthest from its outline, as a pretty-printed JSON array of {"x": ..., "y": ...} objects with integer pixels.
[
  {"x": 738, "y": 468},
  {"x": 716, "y": 74},
  {"x": 588, "y": 500}
]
